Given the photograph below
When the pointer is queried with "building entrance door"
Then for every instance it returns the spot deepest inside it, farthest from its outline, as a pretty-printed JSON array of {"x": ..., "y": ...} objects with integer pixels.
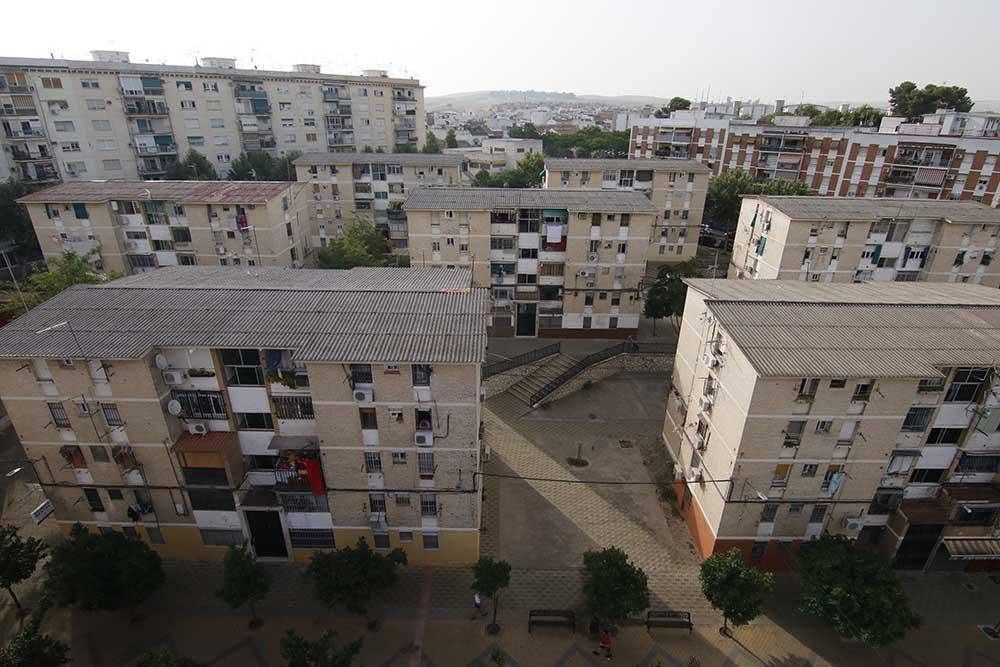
[
  {"x": 266, "y": 534},
  {"x": 526, "y": 319}
]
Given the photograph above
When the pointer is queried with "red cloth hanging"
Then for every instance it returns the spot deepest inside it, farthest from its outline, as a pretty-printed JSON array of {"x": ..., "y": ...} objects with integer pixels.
[{"x": 314, "y": 473}]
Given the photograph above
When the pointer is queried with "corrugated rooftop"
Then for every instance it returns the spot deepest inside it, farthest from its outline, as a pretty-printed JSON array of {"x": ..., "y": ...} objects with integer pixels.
[
  {"x": 858, "y": 209},
  {"x": 192, "y": 192},
  {"x": 666, "y": 164},
  {"x": 487, "y": 199},
  {"x": 361, "y": 315},
  {"x": 865, "y": 330},
  {"x": 407, "y": 159}
]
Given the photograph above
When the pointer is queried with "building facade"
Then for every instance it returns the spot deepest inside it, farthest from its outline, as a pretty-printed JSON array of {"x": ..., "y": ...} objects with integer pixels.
[
  {"x": 560, "y": 263},
  {"x": 370, "y": 186},
  {"x": 677, "y": 188},
  {"x": 898, "y": 159},
  {"x": 807, "y": 410},
  {"x": 109, "y": 118},
  {"x": 136, "y": 226},
  {"x": 842, "y": 239},
  {"x": 193, "y": 431}
]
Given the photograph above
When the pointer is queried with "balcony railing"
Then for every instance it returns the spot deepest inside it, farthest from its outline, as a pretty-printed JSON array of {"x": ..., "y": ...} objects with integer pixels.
[
  {"x": 24, "y": 134},
  {"x": 334, "y": 96},
  {"x": 205, "y": 476},
  {"x": 158, "y": 149},
  {"x": 250, "y": 94},
  {"x": 303, "y": 502}
]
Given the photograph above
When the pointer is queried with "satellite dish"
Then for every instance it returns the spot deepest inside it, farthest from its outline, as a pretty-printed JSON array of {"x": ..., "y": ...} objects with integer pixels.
[
  {"x": 161, "y": 362},
  {"x": 174, "y": 408}
]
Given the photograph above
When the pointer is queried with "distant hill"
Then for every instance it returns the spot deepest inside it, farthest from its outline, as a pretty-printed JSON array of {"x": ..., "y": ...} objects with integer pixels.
[{"x": 482, "y": 99}]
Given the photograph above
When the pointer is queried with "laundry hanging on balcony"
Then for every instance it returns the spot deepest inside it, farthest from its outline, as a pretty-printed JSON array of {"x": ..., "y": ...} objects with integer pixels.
[{"x": 313, "y": 472}]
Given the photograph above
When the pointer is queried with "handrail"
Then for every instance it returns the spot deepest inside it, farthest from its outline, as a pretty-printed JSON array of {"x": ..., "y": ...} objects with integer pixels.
[
  {"x": 520, "y": 360},
  {"x": 575, "y": 369}
]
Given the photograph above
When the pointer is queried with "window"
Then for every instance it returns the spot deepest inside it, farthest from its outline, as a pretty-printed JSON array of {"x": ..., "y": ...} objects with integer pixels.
[
  {"x": 428, "y": 504},
  {"x": 769, "y": 513},
  {"x": 930, "y": 385},
  {"x": 93, "y": 497},
  {"x": 218, "y": 500},
  {"x": 399, "y": 458},
  {"x": 758, "y": 550},
  {"x": 100, "y": 455},
  {"x": 361, "y": 374},
  {"x": 111, "y": 415},
  {"x": 222, "y": 157},
  {"x": 313, "y": 538},
  {"x": 381, "y": 540},
  {"x": 917, "y": 419},
  {"x": 945, "y": 436},
  {"x": 373, "y": 463},
  {"x": 780, "y": 475},
  {"x": 818, "y": 514},
  {"x": 809, "y": 469},
  {"x": 202, "y": 404},
  {"x": 622, "y": 248},
  {"x": 210, "y": 87},
  {"x": 421, "y": 375},
  {"x": 402, "y": 500},
  {"x": 838, "y": 384},
  {"x": 793, "y": 433},
  {"x": 807, "y": 388},
  {"x": 112, "y": 165},
  {"x": 588, "y": 299},
  {"x": 885, "y": 501},
  {"x": 425, "y": 465},
  {"x": 293, "y": 407},
  {"x": 832, "y": 472},
  {"x": 89, "y": 83},
  {"x": 966, "y": 385},
  {"x": 51, "y": 82},
  {"x": 185, "y": 85},
  {"x": 369, "y": 421},
  {"x": 59, "y": 416},
  {"x": 406, "y": 536},
  {"x": 70, "y": 146},
  {"x": 215, "y": 537},
  {"x": 823, "y": 426},
  {"x": 220, "y": 141},
  {"x": 862, "y": 391},
  {"x": 975, "y": 516},
  {"x": 64, "y": 126},
  {"x": 192, "y": 124},
  {"x": 217, "y": 123},
  {"x": 254, "y": 421},
  {"x": 188, "y": 104},
  {"x": 927, "y": 475},
  {"x": 972, "y": 463},
  {"x": 242, "y": 367},
  {"x": 376, "y": 502},
  {"x": 96, "y": 105}
]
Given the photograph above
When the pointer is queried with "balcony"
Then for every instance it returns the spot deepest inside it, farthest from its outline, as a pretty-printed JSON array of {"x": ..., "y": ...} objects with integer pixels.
[
  {"x": 303, "y": 502},
  {"x": 157, "y": 149},
  {"x": 26, "y": 156},
  {"x": 340, "y": 139},
  {"x": 246, "y": 93},
  {"x": 19, "y": 111},
  {"x": 146, "y": 108},
  {"x": 335, "y": 95},
  {"x": 205, "y": 476},
  {"x": 32, "y": 133},
  {"x": 213, "y": 459}
]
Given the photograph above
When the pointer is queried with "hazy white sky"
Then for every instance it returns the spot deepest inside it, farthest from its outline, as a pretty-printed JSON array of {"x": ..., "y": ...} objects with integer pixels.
[{"x": 841, "y": 50}]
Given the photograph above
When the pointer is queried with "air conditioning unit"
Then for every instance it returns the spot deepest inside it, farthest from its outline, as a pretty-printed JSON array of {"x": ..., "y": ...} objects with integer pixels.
[
  {"x": 720, "y": 346},
  {"x": 423, "y": 438},
  {"x": 706, "y": 402},
  {"x": 131, "y": 245},
  {"x": 711, "y": 360},
  {"x": 853, "y": 524},
  {"x": 197, "y": 428},
  {"x": 593, "y": 257},
  {"x": 364, "y": 395},
  {"x": 699, "y": 442},
  {"x": 66, "y": 363},
  {"x": 174, "y": 376},
  {"x": 591, "y": 283},
  {"x": 376, "y": 521}
]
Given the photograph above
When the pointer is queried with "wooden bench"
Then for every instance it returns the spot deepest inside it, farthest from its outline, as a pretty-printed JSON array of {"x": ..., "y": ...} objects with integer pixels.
[
  {"x": 551, "y": 617},
  {"x": 669, "y": 619}
]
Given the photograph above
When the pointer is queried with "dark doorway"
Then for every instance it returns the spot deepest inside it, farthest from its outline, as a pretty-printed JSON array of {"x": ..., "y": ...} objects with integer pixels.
[
  {"x": 917, "y": 545},
  {"x": 526, "y": 319},
  {"x": 266, "y": 535}
]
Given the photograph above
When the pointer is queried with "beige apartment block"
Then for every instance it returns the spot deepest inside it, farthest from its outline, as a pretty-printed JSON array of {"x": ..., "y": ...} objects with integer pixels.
[
  {"x": 842, "y": 239},
  {"x": 110, "y": 118},
  {"x": 800, "y": 410},
  {"x": 135, "y": 226},
  {"x": 560, "y": 263},
  {"x": 370, "y": 186},
  {"x": 677, "y": 188},
  {"x": 343, "y": 413}
]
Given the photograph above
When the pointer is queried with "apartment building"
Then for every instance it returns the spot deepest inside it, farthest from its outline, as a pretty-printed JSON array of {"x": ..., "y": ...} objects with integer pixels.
[
  {"x": 560, "y": 263},
  {"x": 371, "y": 186},
  {"x": 110, "y": 118},
  {"x": 513, "y": 150},
  {"x": 290, "y": 410},
  {"x": 800, "y": 410},
  {"x": 135, "y": 226},
  {"x": 677, "y": 187},
  {"x": 843, "y": 239}
]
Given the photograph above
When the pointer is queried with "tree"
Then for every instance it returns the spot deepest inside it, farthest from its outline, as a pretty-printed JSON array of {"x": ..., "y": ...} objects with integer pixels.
[
  {"x": 665, "y": 297},
  {"x": 253, "y": 166},
  {"x": 284, "y": 166},
  {"x": 244, "y": 582},
  {"x": 15, "y": 224},
  {"x": 163, "y": 658},
  {"x": 30, "y": 648},
  {"x": 734, "y": 588},
  {"x": 350, "y": 576},
  {"x": 855, "y": 590},
  {"x": 404, "y": 148},
  {"x": 532, "y": 166},
  {"x": 431, "y": 144},
  {"x": 18, "y": 559},
  {"x": 911, "y": 102},
  {"x": 194, "y": 167},
  {"x": 588, "y": 142},
  {"x": 526, "y": 131},
  {"x": 98, "y": 572},
  {"x": 723, "y": 201},
  {"x": 63, "y": 272},
  {"x": 360, "y": 245},
  {"x": 489, "y": 576},
  {"x": 450, "y": 140},
  {"x": 482, "y": 179},
  {"x": 613, "y": 586},
  {"x": 675, "y": 104},
  {"x": 324, "y": 652}
]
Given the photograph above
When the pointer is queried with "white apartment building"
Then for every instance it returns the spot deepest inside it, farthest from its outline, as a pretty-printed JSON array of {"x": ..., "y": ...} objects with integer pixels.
[
  {"x": 110, "y": 118},
  {"x": 865, "y": 410},
  {"x": 845, "y": 239},
  {"x": 136, "y": 226}
]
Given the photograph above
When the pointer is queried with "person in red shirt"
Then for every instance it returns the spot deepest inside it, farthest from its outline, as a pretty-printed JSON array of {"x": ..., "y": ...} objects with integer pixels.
[{"x": 605, "y": 646}]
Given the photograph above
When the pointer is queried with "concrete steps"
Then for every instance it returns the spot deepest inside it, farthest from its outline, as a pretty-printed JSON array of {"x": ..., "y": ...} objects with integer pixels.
[{"x": 551, "y": 369}]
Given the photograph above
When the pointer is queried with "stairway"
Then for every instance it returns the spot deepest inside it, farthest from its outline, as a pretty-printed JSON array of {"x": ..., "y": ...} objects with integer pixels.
[{"x": 551, "y": 369}]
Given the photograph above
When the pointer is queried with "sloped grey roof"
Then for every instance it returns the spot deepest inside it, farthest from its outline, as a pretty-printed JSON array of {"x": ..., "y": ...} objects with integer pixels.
[
  {"x": 487, "y": 199},
  {"x": 406, "y": 159},
  {"x": 666, "y": 164},
  {"x": 395, "y": 315},
  {"x": 868, "y": 330},
  {"x": 859, "y": 209},
  {"x": 203, "y": 192}
]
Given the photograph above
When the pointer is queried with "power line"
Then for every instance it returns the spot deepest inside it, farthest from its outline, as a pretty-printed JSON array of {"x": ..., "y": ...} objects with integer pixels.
[{"x": 594, "y": 482}]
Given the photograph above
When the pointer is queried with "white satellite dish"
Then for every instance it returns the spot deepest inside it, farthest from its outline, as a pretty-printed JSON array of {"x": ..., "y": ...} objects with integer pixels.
[
  {"x": 174, "y": 408},
  {"x": 161, "y": 362}
]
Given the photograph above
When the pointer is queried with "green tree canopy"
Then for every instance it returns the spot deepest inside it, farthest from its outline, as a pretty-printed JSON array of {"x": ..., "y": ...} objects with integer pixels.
[
  {"x": 526, "y": 131},
  {"x": 244, "y": 581},
  {"x": 63, "y": 272},
  {"x": 528, "y": 174},
  {"x": 102, "y": 572},
  {"x": 450, "y": 140},
  {"x": 736, "y": 589},
  {"x": 15, "y": 224},
  {"x": 723, "y": 201},
  {"x": 405, "y": 148},
  {"x": 349, "y": 576},
  {"x": 163, "y": 658},
  {"x": 675, "y": 104},
  {"x": 30, "y": 648},
  {"x": 324, "y": 652},
  {"x": 588, "y": 142},
  {"x": 362, "y": 244},
  {"x": 862, "y": 116},
  {"x": 854, "y": 590},
  {"x": 489, "y": 577},
  {"x": 431, "y": 144},
  {"x": 910, "y": 101},
  {"x": 665, "y": 296},
  {"x": 19, "y": 557},
  {"x": 262, "y": 166},
  {"x": 613, "y": 586},
  {"x": 194, "y": 167}
]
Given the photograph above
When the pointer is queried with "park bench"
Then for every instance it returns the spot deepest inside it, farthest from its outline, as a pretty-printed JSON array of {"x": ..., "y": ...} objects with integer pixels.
[
  {"x": 551, "y": 617},
  {"x": 669, "y": 619}
]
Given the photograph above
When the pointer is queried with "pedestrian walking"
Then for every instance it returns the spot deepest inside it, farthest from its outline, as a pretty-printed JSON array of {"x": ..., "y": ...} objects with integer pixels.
[
  {"x": 605, "y": 645},
  {"x": 477, "y": 602}
]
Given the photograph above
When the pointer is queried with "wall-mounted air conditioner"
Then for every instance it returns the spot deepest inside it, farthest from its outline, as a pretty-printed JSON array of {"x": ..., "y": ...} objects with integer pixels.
[
  {"x": 423, "y": 438},
  {"x": 197, "y": 428},
  {"x": 362, "y": 395},
  {"x": 174, "y": 376}
]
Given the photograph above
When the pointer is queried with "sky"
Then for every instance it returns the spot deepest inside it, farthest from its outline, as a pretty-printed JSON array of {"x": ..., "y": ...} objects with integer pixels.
[{"x": 847, "y": 50}]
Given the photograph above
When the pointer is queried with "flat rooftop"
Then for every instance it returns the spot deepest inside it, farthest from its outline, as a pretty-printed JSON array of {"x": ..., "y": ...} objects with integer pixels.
[
  {"x": 373, "y": 315},
  {"x": 666, "y": 164},
  {"x": 191, "y": 192},
  {"x": 855, "y": 209},
  {"x": 407, "y": 159},
  {"x": 488, "y": 199},
  {"x": 867, "y": 330}
]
